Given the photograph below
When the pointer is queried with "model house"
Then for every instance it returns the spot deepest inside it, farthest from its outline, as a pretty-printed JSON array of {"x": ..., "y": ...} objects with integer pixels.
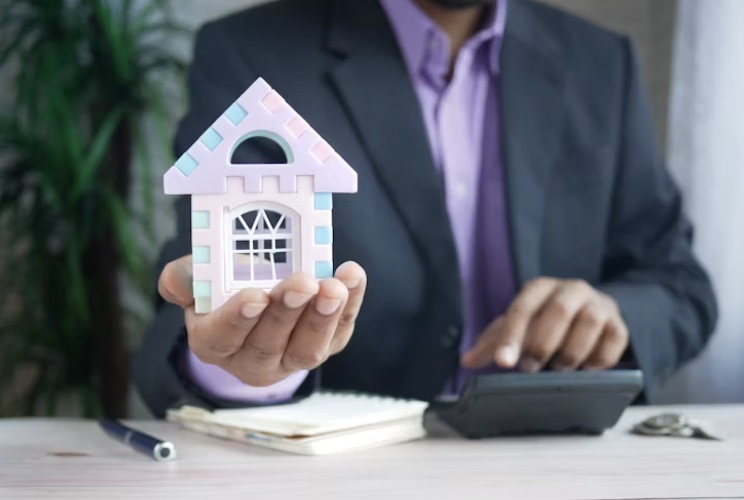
[{"x": 255, "y": 224}]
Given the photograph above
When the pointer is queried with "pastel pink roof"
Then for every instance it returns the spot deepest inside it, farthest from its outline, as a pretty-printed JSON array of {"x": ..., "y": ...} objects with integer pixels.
[{"x": 205, "y": 166}]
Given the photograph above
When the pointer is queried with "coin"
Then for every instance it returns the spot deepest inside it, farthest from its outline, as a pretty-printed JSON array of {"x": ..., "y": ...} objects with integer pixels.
[{"x": 674, "y": 425}]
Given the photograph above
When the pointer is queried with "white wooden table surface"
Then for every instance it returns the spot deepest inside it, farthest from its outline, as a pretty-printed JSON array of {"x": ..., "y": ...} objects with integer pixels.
[{"x": 73, "y": 459}]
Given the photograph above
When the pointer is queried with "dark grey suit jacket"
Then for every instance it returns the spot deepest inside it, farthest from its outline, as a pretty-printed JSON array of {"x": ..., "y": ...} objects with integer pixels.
[{"x": 588, "y": 194}]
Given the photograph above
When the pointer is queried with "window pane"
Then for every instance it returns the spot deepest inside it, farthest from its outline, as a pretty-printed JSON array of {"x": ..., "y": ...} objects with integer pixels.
[
  {"x": 241, "y": 267},
  {"x": 280, "y": 257},
  {"x": 262, "y": 267},
  {"x": 273, "y": 217},
  {"x": 264, "y": 251},
  {"x": 244, "y": 223},
  {"x": 283, "y": 265}
]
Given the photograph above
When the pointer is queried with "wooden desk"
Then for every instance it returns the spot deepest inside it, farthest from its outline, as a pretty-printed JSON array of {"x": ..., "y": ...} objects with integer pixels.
[{"x": 73, "y": 459}]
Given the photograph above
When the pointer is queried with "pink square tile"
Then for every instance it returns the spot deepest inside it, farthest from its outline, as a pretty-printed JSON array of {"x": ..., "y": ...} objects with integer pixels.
[
  {"x": 297, "y": 126},
  {"x": 322, "y": 151},
  {"x": 273, "y": 101}
]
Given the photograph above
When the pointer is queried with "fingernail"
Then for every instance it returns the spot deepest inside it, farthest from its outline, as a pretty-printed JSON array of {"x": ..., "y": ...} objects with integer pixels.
[
  {"x": 350, "y": 283},
  {"x": 507, "y": 356},
  {"x": 560, "y": 367},
  {"x": 326, "y": 306},
  {"x": 295, "y": 300},
  {"x": 529, "y": 365},
  {"x": 252, "y": 310}
]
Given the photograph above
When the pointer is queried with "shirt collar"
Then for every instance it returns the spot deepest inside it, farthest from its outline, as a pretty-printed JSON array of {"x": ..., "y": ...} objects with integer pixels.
[{"x": 424, "y": 44}]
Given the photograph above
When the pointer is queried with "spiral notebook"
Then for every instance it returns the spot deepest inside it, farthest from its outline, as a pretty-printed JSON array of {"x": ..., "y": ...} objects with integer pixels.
[{"x": 321, "y": 424}]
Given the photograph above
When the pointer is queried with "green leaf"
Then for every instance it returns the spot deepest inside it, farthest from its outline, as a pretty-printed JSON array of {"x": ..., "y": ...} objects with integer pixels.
[
  {"x": 145, "y": 180},
  {"x": 117, "y": 45},
  {"x": 123, "y": 232},
  {"x": 126, "y": 15},
  {"x": 163, "y": 62},
  {"x": 99, "y": 146},
  {"x": 11, "y": 49},
  {"x": 166, "y": 28},
  {"x": 161, "y": 118},
  {"x": 76, "y": 285},
  {"x": 89, "y": 403},
  {"x": 140, "y": 24}
]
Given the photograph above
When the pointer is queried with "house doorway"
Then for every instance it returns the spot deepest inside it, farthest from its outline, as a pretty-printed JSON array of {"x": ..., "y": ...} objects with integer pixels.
[{"x": 263, "y": 246}]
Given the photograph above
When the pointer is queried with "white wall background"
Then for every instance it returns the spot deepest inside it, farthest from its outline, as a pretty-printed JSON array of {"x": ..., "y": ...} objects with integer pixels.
[{"x": 706, "y": 151}]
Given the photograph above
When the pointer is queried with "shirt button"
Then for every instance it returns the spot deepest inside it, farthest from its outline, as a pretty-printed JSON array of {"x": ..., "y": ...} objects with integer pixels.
[{"x": 450, "y": 338}]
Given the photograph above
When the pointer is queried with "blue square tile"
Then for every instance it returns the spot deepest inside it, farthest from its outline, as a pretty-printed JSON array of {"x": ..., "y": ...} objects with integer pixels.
[
  {"x": 211, "y": 139},
  {"x": 323, "y": 201},
  {"x": 200, "y": 219},
  {"x": 202, "y": 289},
  {"x": 323, "y": 235},
  {"x": 323, "y": 269},
  {"x": 201, "y": 255},
  {"x": 186, "y": 164},
  {"x": 236, "y": 113}
]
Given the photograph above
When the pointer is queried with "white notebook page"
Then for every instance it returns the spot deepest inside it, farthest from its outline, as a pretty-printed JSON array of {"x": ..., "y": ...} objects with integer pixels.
[{"x": 320, "y": 413}]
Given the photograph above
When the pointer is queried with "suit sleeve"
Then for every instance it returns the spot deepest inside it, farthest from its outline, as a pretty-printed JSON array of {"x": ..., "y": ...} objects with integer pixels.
[
  {"x": 665, "y": 295},
  {"x": 162, "y": 370}
]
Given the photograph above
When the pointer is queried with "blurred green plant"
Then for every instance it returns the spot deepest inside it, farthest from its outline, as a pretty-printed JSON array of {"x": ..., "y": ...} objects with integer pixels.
[{"x": 84, "y": 75}]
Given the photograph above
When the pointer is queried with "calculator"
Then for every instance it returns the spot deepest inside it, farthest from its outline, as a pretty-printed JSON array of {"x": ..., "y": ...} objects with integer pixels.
[{"x": 580, "y": 402}]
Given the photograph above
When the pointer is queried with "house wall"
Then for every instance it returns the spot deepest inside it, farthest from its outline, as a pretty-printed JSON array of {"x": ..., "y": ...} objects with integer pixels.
[{"x": 211, "y": 219}]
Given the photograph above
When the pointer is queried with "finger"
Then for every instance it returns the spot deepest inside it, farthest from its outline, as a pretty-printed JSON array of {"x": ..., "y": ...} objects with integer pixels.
[
  {"x": 504, "y": 343},
  {"x": 610, "y": 348},
  {"x": 483, "y": 351},
  {"x": 548, "y": 328},
  {"x": 216, "y": 336},
  {"x": 175, "y": 283},
  {"x": 264, "y": 347},
  {"x": 353, "y": 276},
  {"x": 582, "y": 338},
  {"x": 310, "y": 342}
]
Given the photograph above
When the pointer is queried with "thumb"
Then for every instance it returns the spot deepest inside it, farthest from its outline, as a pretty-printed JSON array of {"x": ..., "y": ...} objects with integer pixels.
[{"x": 175, "y": 283}]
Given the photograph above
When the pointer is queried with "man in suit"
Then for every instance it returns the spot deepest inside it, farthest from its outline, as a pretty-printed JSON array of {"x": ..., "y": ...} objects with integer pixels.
[{"x": 513, "y": 212}]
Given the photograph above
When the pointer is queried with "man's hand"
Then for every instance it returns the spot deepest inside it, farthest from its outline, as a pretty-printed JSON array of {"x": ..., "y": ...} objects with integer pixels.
[
  {"x": 565, "y": 321},
  {"x": 262, "y": 338}
]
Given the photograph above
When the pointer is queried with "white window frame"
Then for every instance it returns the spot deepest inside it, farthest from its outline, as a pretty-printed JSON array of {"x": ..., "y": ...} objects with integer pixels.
[{"x": 229, "y": 242}]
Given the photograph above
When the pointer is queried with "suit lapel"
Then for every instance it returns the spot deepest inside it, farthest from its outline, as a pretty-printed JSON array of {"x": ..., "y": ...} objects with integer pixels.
[
  {"x": 532, "y": 111},
  {"x": 373, "y": 83}
]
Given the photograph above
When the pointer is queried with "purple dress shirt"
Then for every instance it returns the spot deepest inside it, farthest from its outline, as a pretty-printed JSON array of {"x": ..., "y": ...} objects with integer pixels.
[{"x": 461, "y": 115}]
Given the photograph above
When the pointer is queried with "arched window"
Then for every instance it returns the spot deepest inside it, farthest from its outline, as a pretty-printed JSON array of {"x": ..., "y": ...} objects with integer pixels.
[
  {"x": 263, "y": 246},
  {"x": 261, "y": 146}
]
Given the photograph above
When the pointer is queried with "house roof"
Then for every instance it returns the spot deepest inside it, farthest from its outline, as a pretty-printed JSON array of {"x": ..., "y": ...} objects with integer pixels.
[{"x": 260, "y": 111}]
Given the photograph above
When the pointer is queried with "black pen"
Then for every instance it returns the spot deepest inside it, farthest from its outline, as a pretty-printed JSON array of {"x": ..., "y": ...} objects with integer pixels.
[{"x": 144, "y": 443}]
